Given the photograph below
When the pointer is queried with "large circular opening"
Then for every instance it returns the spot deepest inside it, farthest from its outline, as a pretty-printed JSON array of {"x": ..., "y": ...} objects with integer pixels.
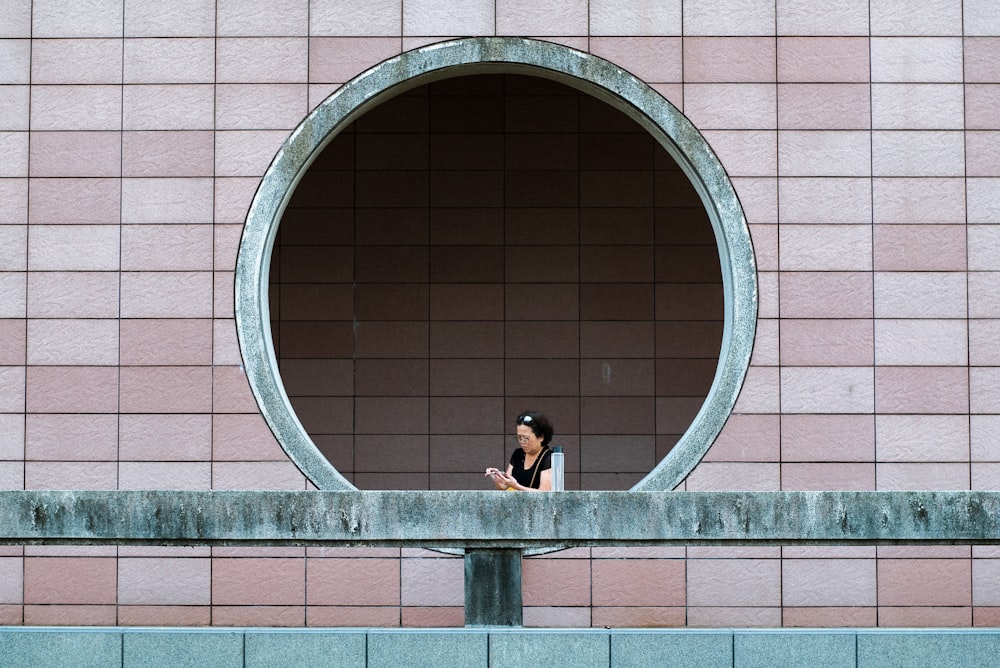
[
  {"x": 478, "y": 228},
  {"x": 483, "y": 245}
]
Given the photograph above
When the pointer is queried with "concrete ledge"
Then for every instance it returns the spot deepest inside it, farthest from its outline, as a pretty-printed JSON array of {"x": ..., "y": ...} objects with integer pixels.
[
  {"x": 30, "y": 647},
  {"x": 491, "y": 519}
]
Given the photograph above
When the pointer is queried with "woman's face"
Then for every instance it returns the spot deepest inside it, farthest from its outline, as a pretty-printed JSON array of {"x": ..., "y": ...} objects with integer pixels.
[{"x": 526, "y": 438}]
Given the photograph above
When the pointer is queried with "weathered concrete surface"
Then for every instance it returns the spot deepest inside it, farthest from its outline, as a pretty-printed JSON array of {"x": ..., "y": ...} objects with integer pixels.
[
  {"x": 482, "y": 519},
  {"x": 493, "y": 587}
]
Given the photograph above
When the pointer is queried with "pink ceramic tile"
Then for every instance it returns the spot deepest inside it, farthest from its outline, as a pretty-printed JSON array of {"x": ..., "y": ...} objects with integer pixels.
[
  {"x": 75, "y": 107},
  {"x": 985, "y": 476},
  {"x": 12, "y": 475},
  {"x": 166, "y": 200},
  {"x": 826, "y": 106},
  {"x": 759, "y": 393},
  {"x": 73, "y": 248},
  {"x": 919, "y": 200},
  {"x": 15, "y": 61},
  {"x": 924, "y": 582},
  {"x": 433, "y": 616},
  {"x": 916, "y": 59},
  {"x": 823, "y": 59},
  {"x": 826, "y": 247},
  {"x": 981, "y": 64},
  {"x": 422, "y": 17},
  {"x": 166, "y": 247},
  {"x": 258, "y": 581},
  {"x": 13, "y": 293},
  {"x": 731, "y": 106},
  {"x": 258, "y": 615},
  {"x": 802, "y": 17},
  {"x": 75, "y": 154},
  {"x": 937, "y": 390},
  {"x": 169, "y": 60},
  {"x": 73, "y": 342},
  {"x": 54, "y": 389},
  {"x": 920, "y": 248},
  {"x": 173, "y": 294},
  {"x": 746, "y": 438},
  {"x": 827, "y": 617},
  {"x": 13, "y": 201},
  {"x": 11, "y": 580},
  {"x": 759, "y": 198},
  {"x": 224, "y": 294},
  {"x": 824, "y": 153},
  {"x": 16, "y": 21},
  {"x": 13, "y": 247},
  {"x": 826, "y": 294},
  {"x": 232, "y": 391},
  {"x": 76, "y": 61},
  {"x": 242, "y": 106},
  {"x": 920, "y": 294},
  {"x": 984, "y": 342},
  {"x": 164, "y": 581},
  {"x": 745, "y": 152},
  {"x": 896, "y": 17},
  {"x": 638, "y": 617},
  {"x": 980, "y": 158},
  {"x": 924, "y": 616},
  {"x": 76, "y": 18},
  {"x": 906, "y": 153},
  {"x": 979, "y": 18},
  {"x": 634, "y": 17},
  {"x": 353, "y": 582},
  {"x": 652, "y": 59},
  {"x": 325, "y": 616},
  {"x": 225, "y": 347},
  {"x": 72, "y": 294},
  {"x": 827, "y": 390},
  {"x": 827, "y": 438},
  {"x": 76, "y": 581},
  {"x": 638, "y": 582},
  {"x": 15, "y": 145},
  {"x": 817, "y": 342},
  {"x": 14, "y": 105},
  {"x": 187, "y": 18},
  {"x": 728, "y": 476},
  {"x": 246, "y": 152},
  {"x": 164, "y": 475},
  {"x": 70, "y": 615},
  {"x": 984, "y": 433},
  {"x": 729, "y": 17},
  {"x": 166, "y": 342},
  {"x": 734, "y": 582},
  {"x": 171, "y": 389},
  {"x": 556, "y": 617},
  {"x": 984, "y": 294},
  {"x": 921, "y": 342},
  {"x": 164, "y": 615},
  {"x": 982, "y": 241},
  {"x": 907, "y": 106},
  {"x": 825, "y": 200},
  {"x": 432, "y": 582},
  {"x": 548, "y": 17},
  {"x": 12, "y": 437},
  {"x": 922, "y": 438},
  {"x": 159, "y": 437},
  {"x": 283, "y": 17},
  {"x": 828, "y": 582},
  {"x": 61, "y": 201},
  {"x": 168, "y": 153},
  {"x": 982, "y": 383},
  {"x": 330, "y": 18},
  {"x": 339, "y": 59},
  {"x": 262, "y": 60},
  {"x": 257, "y": 475},
  {"x": 982, "y": 106},
  {"x": 733, "y": 617},
  {"x": 168, "y": 107},
  {"x": 729, "y": 59},
  {"x": 826, "y": 476}
]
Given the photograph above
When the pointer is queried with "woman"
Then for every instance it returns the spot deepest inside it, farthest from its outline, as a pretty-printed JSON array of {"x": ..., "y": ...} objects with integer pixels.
[{"x": 530, "y": 466}]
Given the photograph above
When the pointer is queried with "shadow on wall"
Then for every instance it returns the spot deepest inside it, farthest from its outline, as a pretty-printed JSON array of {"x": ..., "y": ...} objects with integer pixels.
[{"x": 483, "y": 245}]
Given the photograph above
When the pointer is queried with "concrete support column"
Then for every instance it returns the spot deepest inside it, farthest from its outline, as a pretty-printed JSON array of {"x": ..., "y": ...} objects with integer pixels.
[{"x": 493, "y": 587}]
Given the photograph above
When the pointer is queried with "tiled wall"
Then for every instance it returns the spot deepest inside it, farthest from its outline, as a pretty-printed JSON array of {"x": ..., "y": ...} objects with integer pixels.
[
  {"x": 486, "y": 245},
  {"x": 860, "y": 136}
]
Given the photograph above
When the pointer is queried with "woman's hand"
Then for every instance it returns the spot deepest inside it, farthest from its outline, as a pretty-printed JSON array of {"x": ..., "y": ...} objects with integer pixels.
[{"x": 499, "y": 478}]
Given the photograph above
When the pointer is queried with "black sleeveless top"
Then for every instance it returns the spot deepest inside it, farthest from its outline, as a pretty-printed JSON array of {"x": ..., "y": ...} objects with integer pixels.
[{"x": 543, "y": 462}]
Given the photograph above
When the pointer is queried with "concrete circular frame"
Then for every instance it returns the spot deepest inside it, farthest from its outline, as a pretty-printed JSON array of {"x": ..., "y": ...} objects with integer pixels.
[{"x": 585, "y": 72}]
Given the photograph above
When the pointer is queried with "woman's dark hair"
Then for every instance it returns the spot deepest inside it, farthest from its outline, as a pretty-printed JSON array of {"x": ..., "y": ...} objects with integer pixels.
[{"x": 538, "y": 423}]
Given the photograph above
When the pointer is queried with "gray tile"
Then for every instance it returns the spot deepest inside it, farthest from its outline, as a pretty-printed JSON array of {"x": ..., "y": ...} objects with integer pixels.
[
  {"x": 183, "y": 649},
  {"x": 430, "y": 649},
  {"x": 272, "y": 649},
  {"x": 773, "y": 649},
  {"x": 530, "y": 649},
  {"x": 913, "y": 649},
  {"x": 697, "y": 649},
  {"x": 53, "y": 649}
]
